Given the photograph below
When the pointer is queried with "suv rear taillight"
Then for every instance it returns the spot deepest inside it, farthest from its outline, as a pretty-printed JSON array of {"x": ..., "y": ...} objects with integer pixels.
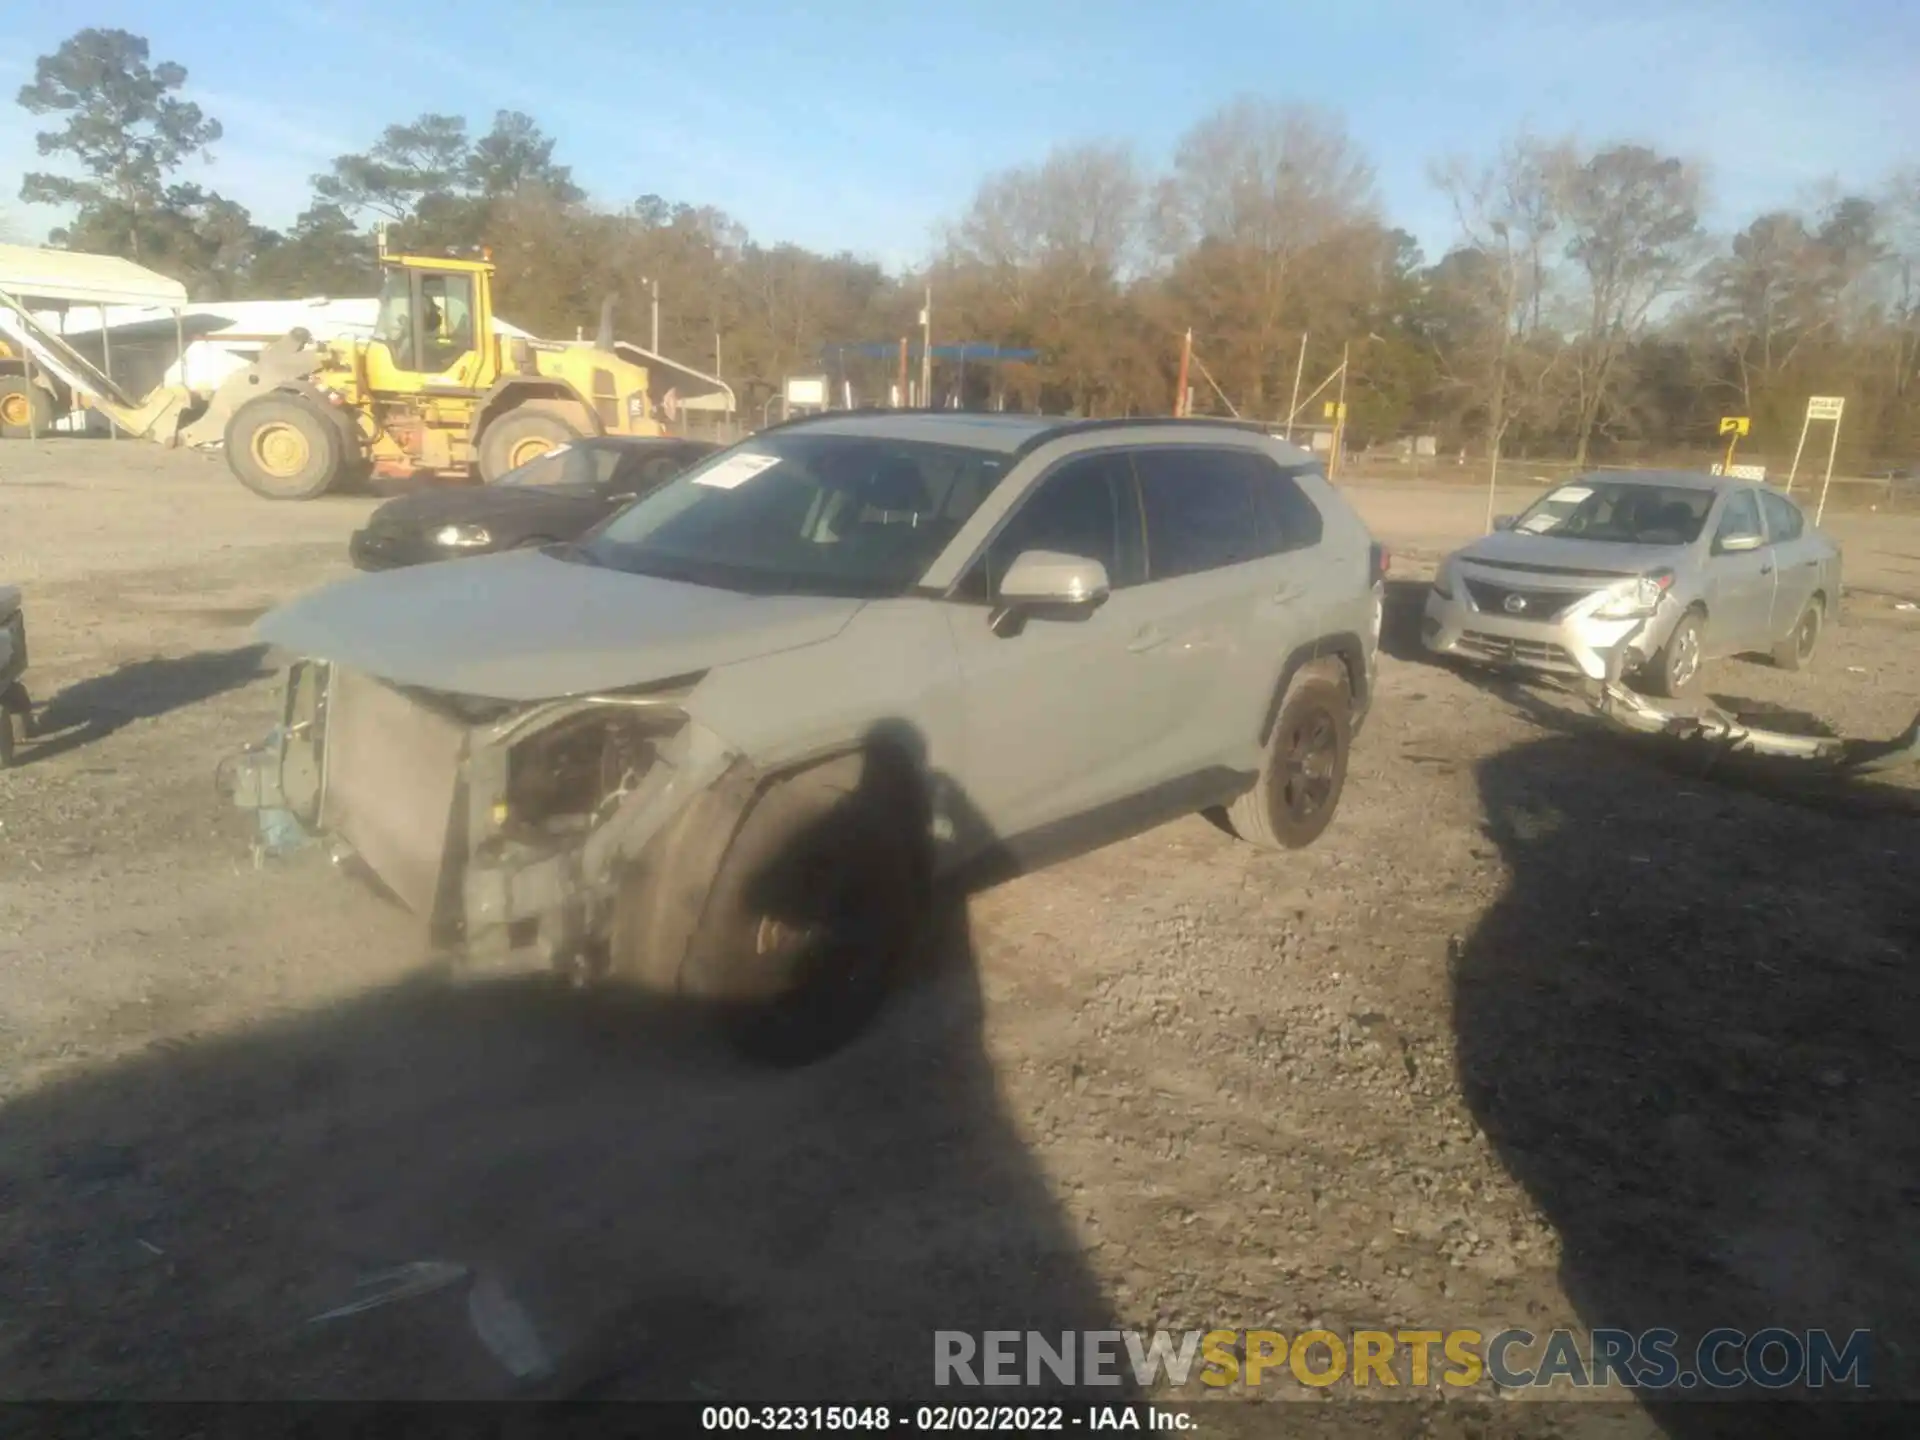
[{"x": 1379, "y": 558}]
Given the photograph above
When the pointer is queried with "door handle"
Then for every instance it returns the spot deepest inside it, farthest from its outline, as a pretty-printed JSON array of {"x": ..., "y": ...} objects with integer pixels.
[
  {"x": 1287, "y": 594},
  {"x": 1767, "y": 569},
  {"x": 1145, "y": 638}
]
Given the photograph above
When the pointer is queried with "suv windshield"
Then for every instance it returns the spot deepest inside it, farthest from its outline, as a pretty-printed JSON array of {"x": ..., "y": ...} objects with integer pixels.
[
  {"x": 1621, "y": 511},
  {"x": 849, "y": 515},
  {"x": 566, "y": 465}
]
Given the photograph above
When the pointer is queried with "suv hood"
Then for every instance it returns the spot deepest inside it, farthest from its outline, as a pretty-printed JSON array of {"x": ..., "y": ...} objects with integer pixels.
[
  {"x": 1550, "y": 554},
  {"x": 524, "y": 627}
]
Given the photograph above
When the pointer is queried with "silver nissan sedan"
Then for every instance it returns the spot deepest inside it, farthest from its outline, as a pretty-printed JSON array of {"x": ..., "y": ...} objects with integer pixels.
[{"x": 1711, "y": 566}]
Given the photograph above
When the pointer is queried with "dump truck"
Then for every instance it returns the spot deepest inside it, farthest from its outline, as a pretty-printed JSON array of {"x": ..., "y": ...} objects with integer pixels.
[{"x": 435, "y": 392}]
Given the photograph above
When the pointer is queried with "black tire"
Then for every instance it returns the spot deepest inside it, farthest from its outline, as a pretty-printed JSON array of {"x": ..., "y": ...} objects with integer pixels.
[
  {"x": 282, "y": 447},
  {"x": 524, "y": 433},
  {"x": 1675, "y": 672},
  {"x": 10, "y": 736},
  {"x": 821, "y": 898},
  {"x": 1305, "y": 771},
  {"x": 22, "y": 402},
  {"x": 1794, "y": 650}
]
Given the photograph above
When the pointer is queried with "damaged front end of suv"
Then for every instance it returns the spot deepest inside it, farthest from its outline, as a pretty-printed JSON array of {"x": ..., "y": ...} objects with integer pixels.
[{"x": 510, "y": 828}]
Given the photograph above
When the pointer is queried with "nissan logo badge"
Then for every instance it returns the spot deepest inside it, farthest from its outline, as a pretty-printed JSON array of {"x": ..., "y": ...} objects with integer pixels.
[{"x": 1515, "y": 604}]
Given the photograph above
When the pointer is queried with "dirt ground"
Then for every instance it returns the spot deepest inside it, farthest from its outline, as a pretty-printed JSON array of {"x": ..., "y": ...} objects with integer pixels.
[{"x": 1544, "y": 1032}]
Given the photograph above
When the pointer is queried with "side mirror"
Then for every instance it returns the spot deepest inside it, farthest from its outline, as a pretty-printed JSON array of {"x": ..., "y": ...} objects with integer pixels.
[
  {"x": 1048, "y": 582},
  {"x": 1739, "y": 543},
  {"x": 1504, "y": 522}
]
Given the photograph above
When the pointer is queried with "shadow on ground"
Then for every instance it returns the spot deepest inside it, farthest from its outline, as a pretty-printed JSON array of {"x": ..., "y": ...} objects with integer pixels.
[
  {"x": 1690, "y": 1030},
  {"x": 92, "y": 709},
  {"x": 672, "y": 1222}
]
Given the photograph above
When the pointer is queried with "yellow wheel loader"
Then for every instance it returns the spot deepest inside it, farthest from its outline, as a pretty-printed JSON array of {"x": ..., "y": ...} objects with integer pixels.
[{"x": 434, "y": 392}]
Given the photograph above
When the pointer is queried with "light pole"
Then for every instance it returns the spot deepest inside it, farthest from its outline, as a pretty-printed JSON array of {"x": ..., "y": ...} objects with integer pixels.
[
  {"x": 926, "y": 352},
  {"x": 653, "y": 289}
]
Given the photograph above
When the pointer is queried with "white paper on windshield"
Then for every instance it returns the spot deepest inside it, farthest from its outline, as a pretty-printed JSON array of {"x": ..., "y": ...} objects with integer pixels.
[
  {"x": 735, "y": 471},
  {"x": 1572, "y": 494}
]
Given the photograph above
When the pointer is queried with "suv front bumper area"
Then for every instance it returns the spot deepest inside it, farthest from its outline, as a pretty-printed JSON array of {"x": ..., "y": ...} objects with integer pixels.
[{"x": 423, "y": 797}]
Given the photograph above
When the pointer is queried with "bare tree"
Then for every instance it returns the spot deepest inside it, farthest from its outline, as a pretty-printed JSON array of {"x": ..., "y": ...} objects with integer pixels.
[
  {"x": 1270, "y": 211},
  {"x": 1040, "y": 257},
  {"x": 1496, "y": 286},
  {"x": 1632, "y": 221}
]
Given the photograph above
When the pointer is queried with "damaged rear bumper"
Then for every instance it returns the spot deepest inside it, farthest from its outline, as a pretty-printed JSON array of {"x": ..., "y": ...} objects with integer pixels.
[{"x": 507, "y": 829}]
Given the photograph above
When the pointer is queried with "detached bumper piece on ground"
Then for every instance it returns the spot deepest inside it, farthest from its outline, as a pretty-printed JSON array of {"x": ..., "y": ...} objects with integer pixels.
[{"x": 1718, "y": 733}]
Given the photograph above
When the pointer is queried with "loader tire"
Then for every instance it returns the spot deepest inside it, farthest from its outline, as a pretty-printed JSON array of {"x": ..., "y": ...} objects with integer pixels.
[
  {"x": 525, "y": 433},
  {"x": 25, "y": 408},
  {"x": 284, "y": 448}
]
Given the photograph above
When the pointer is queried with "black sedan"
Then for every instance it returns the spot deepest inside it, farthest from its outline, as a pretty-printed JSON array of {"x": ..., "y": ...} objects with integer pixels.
[{"x": 561, "y": 495}]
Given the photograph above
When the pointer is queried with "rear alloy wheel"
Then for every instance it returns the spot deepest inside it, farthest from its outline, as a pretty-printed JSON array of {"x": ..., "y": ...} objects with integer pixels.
[
  {"x": 1294, "y": 800},
  {"x": 1794, "y": 650},
  {"x": 1675, "y": 671},
  {"x": 25, "y": 409},
  {"x": 283, "y": 448}
]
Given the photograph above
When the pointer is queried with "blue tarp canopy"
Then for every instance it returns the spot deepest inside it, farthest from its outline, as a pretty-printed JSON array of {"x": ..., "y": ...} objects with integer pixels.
[{"x": 965, "y": 353}]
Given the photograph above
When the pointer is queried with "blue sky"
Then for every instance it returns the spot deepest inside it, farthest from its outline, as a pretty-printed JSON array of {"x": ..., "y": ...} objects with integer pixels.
[{"x": 846, "y": 124}]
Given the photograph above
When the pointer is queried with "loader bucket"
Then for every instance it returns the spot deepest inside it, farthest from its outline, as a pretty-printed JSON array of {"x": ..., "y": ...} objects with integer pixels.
[{"x": 292, "y": 357}]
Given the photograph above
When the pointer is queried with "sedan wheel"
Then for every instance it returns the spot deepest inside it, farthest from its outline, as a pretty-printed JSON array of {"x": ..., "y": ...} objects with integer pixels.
[
  {"x": 1795, "y": 649},
  {"x": 1676, "y": 669}
]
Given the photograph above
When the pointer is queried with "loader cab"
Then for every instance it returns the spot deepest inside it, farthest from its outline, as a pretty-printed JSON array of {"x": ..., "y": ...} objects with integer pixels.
[{"x": 432, "y": 328}]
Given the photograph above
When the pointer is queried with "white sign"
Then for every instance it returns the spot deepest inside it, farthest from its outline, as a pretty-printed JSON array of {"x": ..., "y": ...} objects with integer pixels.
[
  {"x": 1825, "y": 407},
  {"x": 735, "y": 470},
  {"x": 807, "y": 390},
  {"x": 1741, "y": 472}
]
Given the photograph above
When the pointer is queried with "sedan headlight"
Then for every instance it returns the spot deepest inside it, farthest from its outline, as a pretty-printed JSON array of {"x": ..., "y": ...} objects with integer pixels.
[
  {"x": 1443, "y": 580},
  {"x": 462, "y": 537},
  {"x": 1636, "y": 599}
]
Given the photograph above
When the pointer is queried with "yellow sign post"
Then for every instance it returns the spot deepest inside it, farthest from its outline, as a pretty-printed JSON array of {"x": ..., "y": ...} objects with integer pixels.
[
  {"x": 1733, "y": 427},
  {"x": 1336, "y": 411}
]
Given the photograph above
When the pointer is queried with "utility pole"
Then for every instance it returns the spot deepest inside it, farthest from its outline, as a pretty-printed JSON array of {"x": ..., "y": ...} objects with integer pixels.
[
  {"x": 653, "y": 288},
  {"x": 1180, "y": 385},
  {"x": 1340, "y": 408},
  {"x": 1299, "y": 369},
  {"x": 926, "y": 351},
  {"x": 901, "y": 395}
]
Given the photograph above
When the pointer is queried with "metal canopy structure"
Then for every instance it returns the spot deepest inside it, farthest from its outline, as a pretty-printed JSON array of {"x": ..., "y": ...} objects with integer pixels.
[
  {"x": 33, "y": 278},
  {"x": 55, "y": 278}
]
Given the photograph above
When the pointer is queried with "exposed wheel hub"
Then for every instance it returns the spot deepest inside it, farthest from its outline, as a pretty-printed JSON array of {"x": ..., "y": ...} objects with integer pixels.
[
  {"x": 1312, "y": 754},
  {"x": 280, "y": 448}
]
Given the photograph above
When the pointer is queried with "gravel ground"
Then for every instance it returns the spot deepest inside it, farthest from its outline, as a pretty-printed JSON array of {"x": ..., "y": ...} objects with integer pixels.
[{"x": 1546, "y": 1031}]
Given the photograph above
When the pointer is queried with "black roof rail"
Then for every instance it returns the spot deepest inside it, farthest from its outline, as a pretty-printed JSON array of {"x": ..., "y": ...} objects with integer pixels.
[
  {"x": 1052, "y": 426},
  {"x": 1069, "y": 425},
  {"x": 816, "y": 416}
]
